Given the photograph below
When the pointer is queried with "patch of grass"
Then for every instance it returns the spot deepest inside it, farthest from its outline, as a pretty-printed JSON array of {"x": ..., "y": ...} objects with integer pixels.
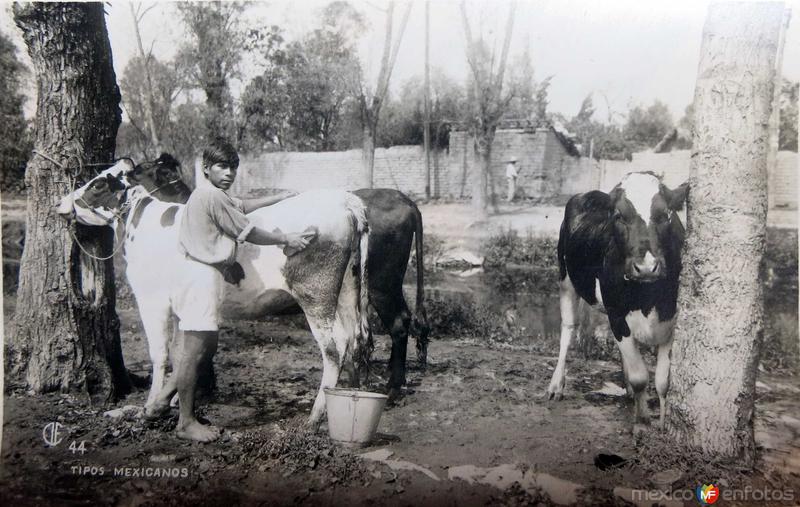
[
  {"x": 299, "y": 450},
  {"x": 509, "y": 248},
  {"x": 453, "y": 317}
]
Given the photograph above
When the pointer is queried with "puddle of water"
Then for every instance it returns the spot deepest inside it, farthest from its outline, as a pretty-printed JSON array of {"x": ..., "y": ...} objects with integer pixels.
[
  {"x": 503, "y": 476},
  {"x": 526, "y": 299}
]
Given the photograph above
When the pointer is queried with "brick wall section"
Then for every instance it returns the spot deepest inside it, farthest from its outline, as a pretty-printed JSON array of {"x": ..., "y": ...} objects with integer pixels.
[
  {"x": 783, "y": 182},
  {"x": 674, "y": 166},
  {"x": 545, "y": 167},
  {"x": 399, "y": 167},
  {"x": 547, "y": 170}
]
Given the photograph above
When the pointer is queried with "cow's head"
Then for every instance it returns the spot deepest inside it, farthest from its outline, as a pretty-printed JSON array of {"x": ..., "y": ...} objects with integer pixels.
[
  {"x": 646, "y": 227},
  {"x": 99, "y": 201},
  {"x": 162, "y": 178}
]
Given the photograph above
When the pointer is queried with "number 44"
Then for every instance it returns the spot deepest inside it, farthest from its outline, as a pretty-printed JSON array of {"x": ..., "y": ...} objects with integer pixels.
[{"x": 78, "y": 448}]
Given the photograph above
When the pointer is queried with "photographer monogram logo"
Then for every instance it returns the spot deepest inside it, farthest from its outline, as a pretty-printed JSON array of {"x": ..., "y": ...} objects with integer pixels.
[{"x": 50, "y": 434}]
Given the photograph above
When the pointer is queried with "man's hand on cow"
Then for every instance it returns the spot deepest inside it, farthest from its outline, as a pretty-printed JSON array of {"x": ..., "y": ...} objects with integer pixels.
[
  {"x": 287, "y": 194},
  {"x": 297, "y": 241}
]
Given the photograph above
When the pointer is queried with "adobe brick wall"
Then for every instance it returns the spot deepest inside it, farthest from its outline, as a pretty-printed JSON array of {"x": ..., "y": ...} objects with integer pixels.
[
  {"x": 399, "y": 167},
  {"x": 781, "y": 183},
  {"x": 547, "y": 171}
]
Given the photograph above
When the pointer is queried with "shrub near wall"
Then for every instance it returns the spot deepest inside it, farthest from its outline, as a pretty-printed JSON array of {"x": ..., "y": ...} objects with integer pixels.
[{"x": 509, "y": 249}]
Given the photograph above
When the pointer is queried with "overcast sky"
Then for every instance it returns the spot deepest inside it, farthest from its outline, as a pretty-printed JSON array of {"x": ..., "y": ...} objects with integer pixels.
[{"x": 626, "y": 52}]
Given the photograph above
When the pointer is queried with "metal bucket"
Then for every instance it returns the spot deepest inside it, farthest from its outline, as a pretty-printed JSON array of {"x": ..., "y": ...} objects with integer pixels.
[{"x": 353, "y": 415}]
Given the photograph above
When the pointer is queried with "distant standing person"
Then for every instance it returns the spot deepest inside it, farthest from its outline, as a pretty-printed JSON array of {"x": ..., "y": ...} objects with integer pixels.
[{"x": 512, "y": 173}]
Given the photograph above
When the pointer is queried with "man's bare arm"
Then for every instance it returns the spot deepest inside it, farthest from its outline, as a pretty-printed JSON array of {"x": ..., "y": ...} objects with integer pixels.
[
  {"x": 259, "y": 202},
  {"x": 296, "y": 241}
]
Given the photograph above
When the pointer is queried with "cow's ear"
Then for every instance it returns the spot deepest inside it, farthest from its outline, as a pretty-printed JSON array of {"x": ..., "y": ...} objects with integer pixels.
[
  {"x": 165, "y": 159},
  {"x": 615, "y": 195},
  {"x": 675, "y": 198},
  {"x": 114, "y": 183}
]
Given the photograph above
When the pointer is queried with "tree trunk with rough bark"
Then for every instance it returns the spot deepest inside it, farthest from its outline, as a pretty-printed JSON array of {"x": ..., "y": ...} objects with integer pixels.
[
  {"x": 368, "y": 157},
  {"x": 720, "y": 308},
  {"x": 65, "y": 333},
  {"x": 481, "y": 173},
  {"x": 489, "y": 105}
]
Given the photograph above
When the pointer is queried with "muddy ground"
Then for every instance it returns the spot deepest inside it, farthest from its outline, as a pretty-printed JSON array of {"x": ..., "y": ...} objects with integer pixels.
[
  {"x": 474, "y": 405},
  {"x": 472, "y": 429}
]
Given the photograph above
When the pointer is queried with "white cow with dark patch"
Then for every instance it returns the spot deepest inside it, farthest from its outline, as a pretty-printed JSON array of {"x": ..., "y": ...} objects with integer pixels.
[
  {"x": 621, "y": 253},
  {"x": 328, "y": 279}
]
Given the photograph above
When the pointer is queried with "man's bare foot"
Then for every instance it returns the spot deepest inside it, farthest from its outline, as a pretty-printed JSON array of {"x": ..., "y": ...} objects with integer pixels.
[
  {"x": 197, "y": 432},
  {"x": 155, "y": 410}
]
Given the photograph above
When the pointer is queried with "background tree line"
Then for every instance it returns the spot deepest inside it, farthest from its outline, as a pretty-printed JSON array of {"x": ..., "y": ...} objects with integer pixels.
[{"x": 307, "y": 96}]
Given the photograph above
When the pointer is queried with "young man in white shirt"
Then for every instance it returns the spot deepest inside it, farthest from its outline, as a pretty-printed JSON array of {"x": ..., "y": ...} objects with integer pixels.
[{"x": 212, "y": 225}]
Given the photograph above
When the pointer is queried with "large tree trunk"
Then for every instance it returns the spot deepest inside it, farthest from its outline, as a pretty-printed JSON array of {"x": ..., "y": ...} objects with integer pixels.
[
  {"x": 65, "y": 333},
  {"x": 720, "y": 309}
]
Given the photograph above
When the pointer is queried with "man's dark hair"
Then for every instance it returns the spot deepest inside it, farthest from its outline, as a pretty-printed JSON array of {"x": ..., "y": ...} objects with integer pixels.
[{"x": 220, "y": 151}]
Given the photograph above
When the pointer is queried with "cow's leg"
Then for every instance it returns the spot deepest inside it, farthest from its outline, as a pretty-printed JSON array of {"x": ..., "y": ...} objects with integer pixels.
[
  {"x": 636, "y": 373},
  {"x": 569, "y": 316},
  {"x": 628, "y": 386},
  {"x": 397, "y": 361},
  {"x": 422, "y": 330},
  {"x": 352, "y": 374},
  {"x": 157, "y": 325},
  {"x": 396, "y": 317},
  {"x": 662, "y": 379},
  {"x": 332, "y": 359}
]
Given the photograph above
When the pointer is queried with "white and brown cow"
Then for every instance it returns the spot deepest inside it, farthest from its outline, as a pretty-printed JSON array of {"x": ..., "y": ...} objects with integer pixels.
[
  {"x": 328, "y": 279},
  {"x": 621, "y": 253}
]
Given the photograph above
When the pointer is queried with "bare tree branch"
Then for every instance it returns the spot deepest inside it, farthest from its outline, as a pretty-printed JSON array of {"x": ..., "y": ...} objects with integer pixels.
[
  {"x": 395, "y": 49},
  {"x": 149, "y": 100},
  {"x": 506, "y": 43}
]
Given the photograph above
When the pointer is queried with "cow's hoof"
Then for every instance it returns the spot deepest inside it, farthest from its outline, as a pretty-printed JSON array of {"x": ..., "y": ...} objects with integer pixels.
[
  {"x": 394, "y": 394},
  {"x": 313, "y": 426},
  {"x": 554, "y": 395},
  {"x": 639, "y": 429},
  {"x": 154, "y": 411}
]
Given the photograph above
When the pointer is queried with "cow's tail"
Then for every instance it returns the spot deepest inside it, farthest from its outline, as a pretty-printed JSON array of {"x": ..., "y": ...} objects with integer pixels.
[
  {"x": 420, "y": 322},
  {"x": 364, "y": 343}
]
